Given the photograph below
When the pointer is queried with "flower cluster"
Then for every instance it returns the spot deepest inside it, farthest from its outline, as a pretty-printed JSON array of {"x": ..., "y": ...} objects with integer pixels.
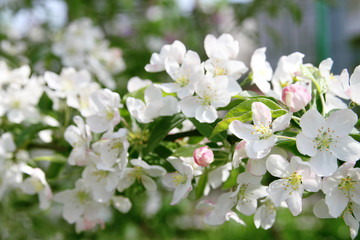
[{"x": 298, "y": 134}]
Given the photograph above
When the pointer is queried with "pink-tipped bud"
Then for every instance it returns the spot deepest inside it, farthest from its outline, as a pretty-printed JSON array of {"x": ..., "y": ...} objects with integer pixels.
[
  {"x": 296, "y": 97},
  {"x": 203, "y": 156}
]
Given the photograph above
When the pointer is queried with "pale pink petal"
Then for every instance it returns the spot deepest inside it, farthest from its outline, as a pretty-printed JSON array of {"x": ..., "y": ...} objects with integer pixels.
[{"x": 261, "y": 114}]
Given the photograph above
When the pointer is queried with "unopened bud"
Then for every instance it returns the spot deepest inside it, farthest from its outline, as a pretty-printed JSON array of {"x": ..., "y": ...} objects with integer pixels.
[
  {"x": 203, "y": 156},
  {"x": 296, "y": 97}
]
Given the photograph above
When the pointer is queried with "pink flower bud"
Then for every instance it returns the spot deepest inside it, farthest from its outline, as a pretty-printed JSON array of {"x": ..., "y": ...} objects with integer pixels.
[
  {"x": 296, "y": 97},
  {"x": 203, "y": 156}
]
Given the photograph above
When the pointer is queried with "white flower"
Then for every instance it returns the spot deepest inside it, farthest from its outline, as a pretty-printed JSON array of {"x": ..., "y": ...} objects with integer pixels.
[
  {"x": 185, "y": 75},
  {"x": 265, "y": 215},
  {"x": 101, "y": 182},
  {"x": 217, "y": 214},
  {"x": 179, "y": 181},
  {"x": 260, "y": 136},
  {"x": 155, "y": 105},
  {"x": 247, "y": 192},
  {"x": 261, "y": 70},
  {"x": 296, "y": 177},
  {"x": 141, "y": 172},
  {"x": 111, "y": 149},
  {"x": 75, "y": 201},
  {"x": 222, "y": 53},
  {"x": 341, "y": 188},
  {"x": 136, "y": 83},
  {"x": 68, "y": 84},
  {"x": 287, "y": 69},
  {"x": 36, "y": 183},
  {"x": 211, "y": 94},
  {"x": 257, "y": 167},
  {"x": 351, "y": 215},
  {"x": 216, "y": 177},
  {"x": 79, "y": 138},
  {"x": 105, "y": 105},
  {"x": 326, "y": 140},
  {"x": 224, "y": 47},
  {"x": 121, "y": 203},
  {"x": 351, "y": 87},
  {"x": 174, "y": 52}
]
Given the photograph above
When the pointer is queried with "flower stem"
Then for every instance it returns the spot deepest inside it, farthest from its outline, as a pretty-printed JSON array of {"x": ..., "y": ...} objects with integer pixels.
[{"x": 285, "y": 137}]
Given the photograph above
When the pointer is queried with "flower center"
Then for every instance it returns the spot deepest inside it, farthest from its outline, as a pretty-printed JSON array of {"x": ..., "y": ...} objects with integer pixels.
[
  {"x": 83, "y": 197},
  {"x": 263, "y": 131},
  {"x": 347, "y": 184},
  {"x": 270, "y": 206},
  {"x": 242, "y": 191},
  {"x": 37, "y": 184},
  {"x": 177, "y": 178},
  {"x": 219, "y": 71},
  {"x": 324, "y": 139},
  {"x": 182, "y": 81},
  {"x": 100, "y": 174},
  {"x": 295, "y": 180},
  {"x": 109, "y": 115}
]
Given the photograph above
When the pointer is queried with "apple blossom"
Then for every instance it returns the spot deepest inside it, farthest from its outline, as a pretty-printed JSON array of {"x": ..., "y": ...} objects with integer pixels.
[
  {"x": 203, "y": 156},
  {"x": 259, "y": 137},
  {"x": 141, "y": 172},
  {"x": 174, "y": 52},
  {"x": 261, "y": 70},
  {"x": 295, "y": 96},
  {"x": 179, "y": 181},
  {"x": 296, "y": 177},
  {"x": 326, "y": 140},
  {"x": 211, "y": 93},
  {"x": 105, "y": 105}
]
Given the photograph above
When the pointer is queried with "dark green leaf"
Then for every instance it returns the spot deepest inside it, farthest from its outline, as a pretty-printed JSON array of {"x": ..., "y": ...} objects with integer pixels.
[
  {"x": 206, "y": 130},
  {"x": 160, "y": 129}
]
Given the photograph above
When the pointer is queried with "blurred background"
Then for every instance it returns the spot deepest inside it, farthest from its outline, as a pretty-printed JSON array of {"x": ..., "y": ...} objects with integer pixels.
[{"x": 31, "y": 32}]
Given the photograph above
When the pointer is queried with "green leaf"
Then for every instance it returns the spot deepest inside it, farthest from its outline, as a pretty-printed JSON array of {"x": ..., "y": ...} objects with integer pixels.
[
  {"x": 243, "y": 113},
  {"x": 160, "y": 129},
  {"x": 231, "y": 181},
  {"x": 186, "y": 151},
  {"x": 355, "y": 137},
  {"x": 206, "y": 130},
  {"x": 290, "y": 145},
  {"x": 201, "y": 186}
]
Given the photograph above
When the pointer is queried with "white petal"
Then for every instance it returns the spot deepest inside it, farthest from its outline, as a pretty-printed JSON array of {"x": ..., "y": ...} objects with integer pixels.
[
  {"x": 279, "y": 191},
  {"x": 323, "y": 163},
  {"x": 278, "y": 166},
  {"x": 256, "y": 166},
  {"x": 294, "y": 202},
  {"x": 306, "y": 145},
  {"x": 321, "y": 210},
  {"x": 342, "y": 122},
  {"x": 148, "y": 182},
  {"x": 282, "y": 122},
  {"x": 336, "y": 202},
  {"x": 206, "y": 114},
  {"x": 122, "y": 204},
  {"x": 242, "y": 130},
  {"x": 261, "y": 114},
  {"x": 310, "y": 122},
  {"x": 346, "y": 149}
]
